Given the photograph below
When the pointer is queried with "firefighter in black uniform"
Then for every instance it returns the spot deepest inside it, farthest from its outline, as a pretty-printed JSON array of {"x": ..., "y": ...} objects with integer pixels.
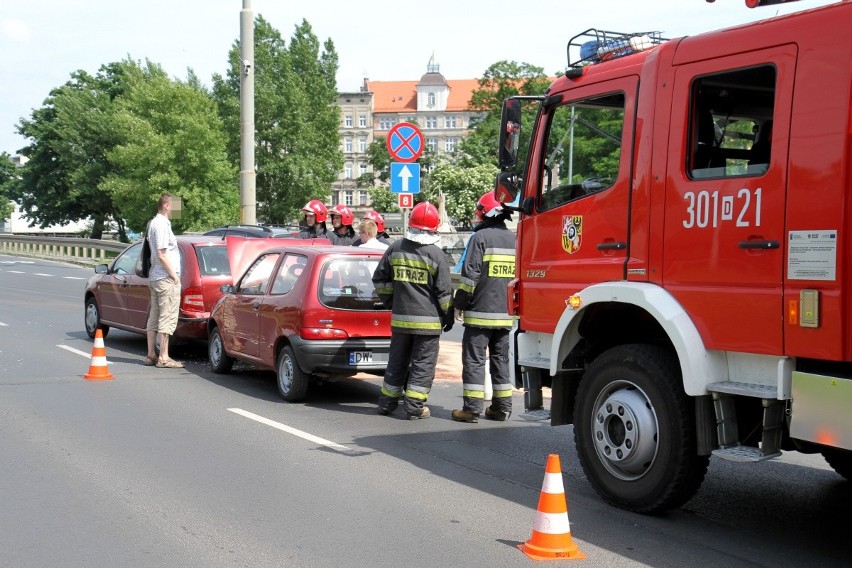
[
  {"x": 413, "y": 280},
  {"x": 481, "y": 301},
  {"x": 342, "y": 232},
  {"x": 315, "y": 216}
]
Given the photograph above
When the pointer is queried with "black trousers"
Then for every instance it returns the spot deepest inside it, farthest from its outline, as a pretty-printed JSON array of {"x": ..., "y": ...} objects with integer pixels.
[
  {"x": 412, "y": 357},
  {"x": 476, "y": 343}
]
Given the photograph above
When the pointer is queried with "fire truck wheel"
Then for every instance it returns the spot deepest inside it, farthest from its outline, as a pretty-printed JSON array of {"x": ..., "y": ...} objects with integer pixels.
[
  {"x": 840, "y": 460},
  {"x": 634, "y": 429}
]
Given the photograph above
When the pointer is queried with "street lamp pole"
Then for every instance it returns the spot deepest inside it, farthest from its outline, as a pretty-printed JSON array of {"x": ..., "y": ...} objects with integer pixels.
[{"x": 248, "y": 203}]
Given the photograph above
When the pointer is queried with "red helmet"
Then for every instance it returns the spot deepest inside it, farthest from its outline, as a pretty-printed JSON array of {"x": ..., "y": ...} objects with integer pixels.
[
  {"x": 488, "y": 206},
  {"x": 345, "y": 213},
  {"x": 316, "y": 207},
  {"x": 373, "y": 216},
  {"x": 424, "y": 216}
]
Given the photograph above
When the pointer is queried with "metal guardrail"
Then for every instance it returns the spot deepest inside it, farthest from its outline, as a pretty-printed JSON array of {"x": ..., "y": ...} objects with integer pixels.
[{"x": 81, "y": 251}]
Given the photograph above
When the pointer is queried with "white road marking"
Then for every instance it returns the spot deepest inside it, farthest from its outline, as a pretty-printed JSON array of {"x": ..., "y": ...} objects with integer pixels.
[
  {"x": 73, "y": 278},
  {"x": 290, "y": 430},
  {"x": 3, "y": 324},
  {"x": 16, "y": 272},
  {"x": 41, "y": 274},
  {"x": 76, "y": 351}
]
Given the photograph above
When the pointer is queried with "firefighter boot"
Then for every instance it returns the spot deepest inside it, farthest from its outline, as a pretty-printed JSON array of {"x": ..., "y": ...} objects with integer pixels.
[
  {"x": 387, "y": 405},
  {"x": 465, "y": 416},
  {"x": 494, "y": 414},
  {"x": 424, "y": 414}
]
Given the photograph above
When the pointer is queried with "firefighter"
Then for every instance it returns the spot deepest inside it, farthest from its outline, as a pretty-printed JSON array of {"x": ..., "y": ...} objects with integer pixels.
[
  {"x": 381, "y": 235},
  {"x": 341, "y": 232},
  {"x": 413, "y": 281},
  {"x": 315, "y": 216},
  {"x": 480, "y": 302}
]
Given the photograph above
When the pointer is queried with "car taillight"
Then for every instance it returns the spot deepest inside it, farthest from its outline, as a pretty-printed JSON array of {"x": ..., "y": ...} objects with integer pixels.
[
  {"x": 322, "y": 333},
  {"x": 193, "y": 299}
]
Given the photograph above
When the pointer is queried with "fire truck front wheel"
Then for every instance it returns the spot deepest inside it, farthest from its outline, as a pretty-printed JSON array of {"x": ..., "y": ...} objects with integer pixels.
[
  {"x": 634, "y": 429},
  {"x": 839, "y": 460}
]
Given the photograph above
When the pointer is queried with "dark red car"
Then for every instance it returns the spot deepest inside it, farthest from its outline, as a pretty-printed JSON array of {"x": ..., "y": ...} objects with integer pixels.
[
  {"x": 116, "y": 297},
  {"x": 304, "y": 311}
]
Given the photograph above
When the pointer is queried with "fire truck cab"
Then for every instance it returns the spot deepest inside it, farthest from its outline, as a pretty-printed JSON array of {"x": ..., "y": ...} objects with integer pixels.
[{"x": 684, "y": 253}]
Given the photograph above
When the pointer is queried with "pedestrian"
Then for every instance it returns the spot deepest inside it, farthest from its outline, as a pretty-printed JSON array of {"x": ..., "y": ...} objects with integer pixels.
[
  {"x": 342, "y": 232},
  {"x": 413, "y": 281},
  {"x": 381, "y": 234},
  {"x": 481, "y": 304},
  {"x": 164, "y": 283},
  {"x": 367, "y": 232},
  {"x": 315, "y": 216}
]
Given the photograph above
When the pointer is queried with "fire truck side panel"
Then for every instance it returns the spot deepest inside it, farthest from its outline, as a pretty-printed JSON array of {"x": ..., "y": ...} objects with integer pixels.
[{"x": 820, "y": 184}]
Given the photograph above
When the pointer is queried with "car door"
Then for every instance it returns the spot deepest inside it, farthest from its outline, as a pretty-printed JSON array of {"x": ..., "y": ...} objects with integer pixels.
[
  {"x": 241, "y": 324},
  {"x": 280, "y": 308},
  {"x": 115, "y": 292},
  {"x": 726, "y": 197},
  {"x": 581, "y": 187}
]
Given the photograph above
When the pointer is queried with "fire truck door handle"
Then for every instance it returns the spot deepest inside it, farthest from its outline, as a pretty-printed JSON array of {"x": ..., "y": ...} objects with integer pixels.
[
  {"x": 612, "y": 246},
  {"x": 761, "y": 245}
]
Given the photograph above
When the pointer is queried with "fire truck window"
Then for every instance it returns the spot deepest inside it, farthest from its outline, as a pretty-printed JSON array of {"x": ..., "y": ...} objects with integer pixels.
[
  {"x": 583, "y": 149},
  {"x": 731, "y": 127}
]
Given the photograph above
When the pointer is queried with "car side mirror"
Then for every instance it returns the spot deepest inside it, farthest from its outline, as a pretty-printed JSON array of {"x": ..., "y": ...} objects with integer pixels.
[
  {"x": 101, "y": 269},
  {"x": 226, "y": 288}
]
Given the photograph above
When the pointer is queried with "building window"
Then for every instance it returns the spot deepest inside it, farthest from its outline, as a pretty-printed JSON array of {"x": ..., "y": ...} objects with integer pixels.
[
  {"x": 349, "y": 197},
  {"x": 386, "y": 122},
  {"x": 431, "y": 144},
  {"x": 347, "y": 121},
  {"x": 430, "y": 99},
  {"x": 347, "y": 145},
  {"x": 362, "y": 198},
  {"x": 362, "y": 169},
  {"x": 431, "y": 122},
  {"x": 362, "y": 144},
  {"x": 347, "y": 170},
  {"x": 450, "y": 144},
  {"x": 362, "y": 120},
  {"x": 450, "y": 122}
]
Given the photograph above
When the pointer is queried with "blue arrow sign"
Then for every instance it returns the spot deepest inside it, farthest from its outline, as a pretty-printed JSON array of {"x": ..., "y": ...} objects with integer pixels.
[{"x": 405, "y": 178}]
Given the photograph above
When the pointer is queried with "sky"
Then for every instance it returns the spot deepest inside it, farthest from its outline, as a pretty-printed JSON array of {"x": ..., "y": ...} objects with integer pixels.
[{"x": 44, "y": 41}]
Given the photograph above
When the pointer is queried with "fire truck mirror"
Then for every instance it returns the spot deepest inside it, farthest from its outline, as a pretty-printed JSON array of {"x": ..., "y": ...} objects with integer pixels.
[
  {"x": 510, "y": 132},
  {"x": 507, "y": 188}
]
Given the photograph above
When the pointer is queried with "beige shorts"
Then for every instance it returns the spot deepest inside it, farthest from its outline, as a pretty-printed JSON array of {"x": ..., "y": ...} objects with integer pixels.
[{"x": 164, "y": 305}]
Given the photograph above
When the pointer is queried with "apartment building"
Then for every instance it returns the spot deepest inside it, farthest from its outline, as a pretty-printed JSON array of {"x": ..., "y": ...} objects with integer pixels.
[{"x": 436, "y": 104}]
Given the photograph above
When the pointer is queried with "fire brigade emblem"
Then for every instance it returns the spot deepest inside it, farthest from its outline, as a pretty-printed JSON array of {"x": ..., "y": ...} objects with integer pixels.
[{"x": 572, "y": 233}]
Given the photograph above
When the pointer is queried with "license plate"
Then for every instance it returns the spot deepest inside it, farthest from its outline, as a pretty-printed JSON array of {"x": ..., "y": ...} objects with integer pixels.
[{"x": 360, "y": 357}]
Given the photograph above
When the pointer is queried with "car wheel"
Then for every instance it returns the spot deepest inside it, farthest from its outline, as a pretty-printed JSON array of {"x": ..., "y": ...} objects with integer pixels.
[
  {"x": 292, "y": 381},
  {"x": 220, "y": 362},
  {"x": 92, "y": 319},
  {"x": 634, "y": 430}
]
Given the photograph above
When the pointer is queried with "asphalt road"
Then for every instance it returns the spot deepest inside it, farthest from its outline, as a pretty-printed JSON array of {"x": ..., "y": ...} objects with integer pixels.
[{"x": 166, "y": 467}]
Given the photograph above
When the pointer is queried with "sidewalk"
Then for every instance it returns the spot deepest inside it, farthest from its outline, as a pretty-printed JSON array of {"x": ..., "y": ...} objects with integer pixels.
[{"x": 449, "y": 367}]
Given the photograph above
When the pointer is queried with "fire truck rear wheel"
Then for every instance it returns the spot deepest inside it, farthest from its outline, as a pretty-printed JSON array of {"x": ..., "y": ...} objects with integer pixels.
[
  {"x": 839, "y": 460},
  {"x": 634, "y": 429}
]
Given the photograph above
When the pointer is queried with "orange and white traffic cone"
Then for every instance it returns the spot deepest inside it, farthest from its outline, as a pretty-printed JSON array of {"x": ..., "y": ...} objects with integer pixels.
[
  {"x": 98, "y": 370},
  {"x": 551, "y": 535}
]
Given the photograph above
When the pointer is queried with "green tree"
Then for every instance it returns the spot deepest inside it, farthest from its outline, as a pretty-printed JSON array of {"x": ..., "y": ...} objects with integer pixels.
[
  {"x": 462, "y": 186},
  {"x": 7, "y": 177},
  {"x": 297, "y": 145},
  {"x": 169, "y": 139},
  {"x": 501, "y": 80}
]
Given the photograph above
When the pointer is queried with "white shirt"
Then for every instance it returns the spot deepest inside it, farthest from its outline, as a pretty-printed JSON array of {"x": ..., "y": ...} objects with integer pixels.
[
  {"x": 374, "y": 243},
  {"x": 160, "y": 236}
]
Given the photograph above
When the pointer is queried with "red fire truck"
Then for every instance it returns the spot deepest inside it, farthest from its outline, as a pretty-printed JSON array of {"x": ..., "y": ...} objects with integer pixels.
[{"x": 684, "y": 250}]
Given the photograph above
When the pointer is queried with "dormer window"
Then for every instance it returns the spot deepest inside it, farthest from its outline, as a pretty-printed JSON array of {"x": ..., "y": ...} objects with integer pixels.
[{"x": 430, "y": 99}]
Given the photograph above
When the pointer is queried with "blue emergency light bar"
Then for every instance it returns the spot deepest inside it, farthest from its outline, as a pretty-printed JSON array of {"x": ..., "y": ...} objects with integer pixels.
[{"x": 596, "y": 46}]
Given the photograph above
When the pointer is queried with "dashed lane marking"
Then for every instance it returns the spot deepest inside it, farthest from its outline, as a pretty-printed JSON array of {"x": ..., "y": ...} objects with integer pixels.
[
  {"x": 290, "y": 430},
  {"x": 76, "y": 351}
]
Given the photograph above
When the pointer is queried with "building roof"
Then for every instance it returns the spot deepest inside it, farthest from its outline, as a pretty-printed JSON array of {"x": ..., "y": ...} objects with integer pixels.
[{"x": 401, "y": 96}]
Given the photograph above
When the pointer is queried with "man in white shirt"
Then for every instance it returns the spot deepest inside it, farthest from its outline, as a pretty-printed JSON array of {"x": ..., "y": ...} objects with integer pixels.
[{"x": 164, "y": 282}]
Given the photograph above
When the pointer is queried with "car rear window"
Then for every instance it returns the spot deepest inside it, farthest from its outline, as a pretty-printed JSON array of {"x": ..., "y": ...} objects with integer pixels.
[
  {"x": 213, "y": 260},
  {"x": 347, "y": 284}
]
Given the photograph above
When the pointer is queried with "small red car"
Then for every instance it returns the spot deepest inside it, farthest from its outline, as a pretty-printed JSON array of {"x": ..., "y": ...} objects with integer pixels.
[
  {"x": 116, "y": 297},
  {"x": 306, "y": 312}
]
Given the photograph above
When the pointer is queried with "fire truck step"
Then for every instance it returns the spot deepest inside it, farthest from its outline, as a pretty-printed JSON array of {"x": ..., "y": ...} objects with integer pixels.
[
  {"x": 535, "y": 362},
  {"x": 744, "y": 454},
  {"x": 744, "y": 389}
]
